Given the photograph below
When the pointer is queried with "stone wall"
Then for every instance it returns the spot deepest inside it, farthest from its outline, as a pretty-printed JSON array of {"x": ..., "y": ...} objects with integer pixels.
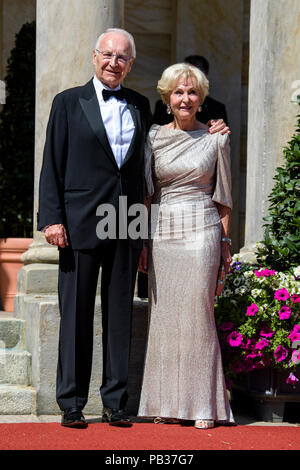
[
  {"x": 167, "y": 31},
  {"x": 13, "y": 14}
]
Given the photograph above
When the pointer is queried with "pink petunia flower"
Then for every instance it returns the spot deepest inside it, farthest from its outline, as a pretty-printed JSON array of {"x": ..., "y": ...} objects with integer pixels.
[
  {"x": 264, "y": 272},
  {"x": 253, "y": 355},
  {"x": 269, "y": 272},
  {"x": 234, "y": 339},
  {"x": 295, "y": 334},
  {"x": 280, "y": 353},
  {"x": 226, "y": 326},
  {"x": 292, "y": 379},
  {"x": 262, "y": 344},
  {"x": 247, "y": 345},
  {"x": 258, "y": 273},
  {"x": 296, "y": 357},
  {"x": 295, "y": 298},
  {"x": 284, "y": 313},
  {"x": 266, "y": 332},
  {"x": 251, "y": 310},
  {"x": 281, "y": 294}
]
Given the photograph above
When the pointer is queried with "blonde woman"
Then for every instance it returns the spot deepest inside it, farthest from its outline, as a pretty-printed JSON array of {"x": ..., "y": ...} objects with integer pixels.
[{"x": 189, "y": 188}]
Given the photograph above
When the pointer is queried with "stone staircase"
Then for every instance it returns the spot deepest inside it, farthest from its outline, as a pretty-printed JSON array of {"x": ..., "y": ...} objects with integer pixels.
[
  {"x": 16, "y": 394},
  {"x": 29, "y": 347}
]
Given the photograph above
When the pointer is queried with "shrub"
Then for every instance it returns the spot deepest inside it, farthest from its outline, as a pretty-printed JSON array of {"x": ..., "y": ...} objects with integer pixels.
[
  {"x": 17, "y": 138},
  {"x": 280, "y": 247}
]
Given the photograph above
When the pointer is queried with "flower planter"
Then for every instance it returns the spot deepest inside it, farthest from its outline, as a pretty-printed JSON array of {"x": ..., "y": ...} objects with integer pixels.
[
  {"x": 268, "y": 392},
  {"x": 11, "y": 250},
  {"x": 258, "y": 321}
]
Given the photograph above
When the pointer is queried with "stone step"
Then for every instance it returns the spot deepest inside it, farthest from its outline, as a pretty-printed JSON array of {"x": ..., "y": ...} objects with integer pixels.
[
  {"x": 17, "y": 400},
  {"x": 12, "y": 332},
  {"x": 15, "y": 367}
]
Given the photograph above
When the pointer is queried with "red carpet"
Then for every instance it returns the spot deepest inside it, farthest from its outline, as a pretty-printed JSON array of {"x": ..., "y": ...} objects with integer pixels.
[{"x": 98, "y": 436}]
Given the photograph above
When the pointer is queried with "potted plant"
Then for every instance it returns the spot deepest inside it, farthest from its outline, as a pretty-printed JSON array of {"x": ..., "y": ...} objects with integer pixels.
[
  {"x": 258, "y": 322},
  {"x": 258, "y": 313},
  {"x": 17, "y": 161}
]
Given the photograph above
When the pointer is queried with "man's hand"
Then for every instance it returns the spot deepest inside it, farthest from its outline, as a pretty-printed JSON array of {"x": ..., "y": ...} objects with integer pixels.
[
  {"x": 56, "y": 235},
  {"x": 218, "y": 125},
  {"x": 143, "y": 262}
]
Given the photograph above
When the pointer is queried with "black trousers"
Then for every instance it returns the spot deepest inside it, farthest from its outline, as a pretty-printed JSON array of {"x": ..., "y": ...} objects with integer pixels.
[{"x": 77, "y": 284}]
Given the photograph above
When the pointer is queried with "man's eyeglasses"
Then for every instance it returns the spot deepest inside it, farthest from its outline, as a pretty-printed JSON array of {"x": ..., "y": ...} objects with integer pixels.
[{"x": 109, "y": 55}]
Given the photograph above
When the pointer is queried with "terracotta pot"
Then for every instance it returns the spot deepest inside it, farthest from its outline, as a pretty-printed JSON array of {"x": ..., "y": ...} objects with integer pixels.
[{"x": 11, "y": 250}]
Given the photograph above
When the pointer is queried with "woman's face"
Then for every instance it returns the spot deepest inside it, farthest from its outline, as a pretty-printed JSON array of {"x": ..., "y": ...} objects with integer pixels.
[{"x": 185, "y": 98}]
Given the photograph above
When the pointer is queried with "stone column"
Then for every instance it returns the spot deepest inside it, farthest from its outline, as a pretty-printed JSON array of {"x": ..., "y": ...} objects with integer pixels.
[
  {"x": 274, "y": 79},
  {"x": 66, "y": 36}
]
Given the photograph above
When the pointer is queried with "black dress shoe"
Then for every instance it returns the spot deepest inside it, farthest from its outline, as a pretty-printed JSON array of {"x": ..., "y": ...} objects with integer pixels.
[
  {"x": 116, "y": 417},
  {"x": 73, "y": 418}
]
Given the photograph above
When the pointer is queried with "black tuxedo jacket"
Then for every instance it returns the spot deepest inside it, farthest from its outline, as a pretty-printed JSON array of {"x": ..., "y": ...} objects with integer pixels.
[{"x": 79, "y": 170}]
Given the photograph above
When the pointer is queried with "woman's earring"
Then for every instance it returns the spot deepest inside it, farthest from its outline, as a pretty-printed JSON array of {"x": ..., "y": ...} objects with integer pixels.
[
  {"x": 169, "y": 109},
  {"x": 200, "y": 109}
]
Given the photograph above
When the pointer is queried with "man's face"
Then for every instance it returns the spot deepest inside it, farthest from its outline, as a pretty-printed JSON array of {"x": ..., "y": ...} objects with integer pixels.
[{"x": 113, "y": 70}]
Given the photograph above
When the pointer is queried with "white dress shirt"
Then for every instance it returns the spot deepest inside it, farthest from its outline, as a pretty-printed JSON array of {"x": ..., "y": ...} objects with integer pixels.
[{"x": 117, "y": 121}]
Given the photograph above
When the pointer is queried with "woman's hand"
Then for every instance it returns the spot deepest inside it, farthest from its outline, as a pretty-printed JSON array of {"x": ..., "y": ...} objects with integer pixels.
[
  {"x": 143, "y": 262},
  {"x": 225, "y": 265},
  {"x": 220, "y": 280},
  {"x": 226, "y": 256}
]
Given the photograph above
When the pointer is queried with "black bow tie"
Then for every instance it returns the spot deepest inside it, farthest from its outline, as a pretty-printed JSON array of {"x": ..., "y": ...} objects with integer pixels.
[{"x": 119, "y": 94}]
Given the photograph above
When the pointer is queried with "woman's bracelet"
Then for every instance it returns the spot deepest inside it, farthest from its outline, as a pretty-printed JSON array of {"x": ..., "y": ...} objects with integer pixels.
[{"x": 227, "y": 240}]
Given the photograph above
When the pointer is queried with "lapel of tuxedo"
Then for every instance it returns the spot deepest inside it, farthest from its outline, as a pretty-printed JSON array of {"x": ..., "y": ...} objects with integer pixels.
[
  {"x": 136, "y": 117},
  {"x": 91, "y": 109}
]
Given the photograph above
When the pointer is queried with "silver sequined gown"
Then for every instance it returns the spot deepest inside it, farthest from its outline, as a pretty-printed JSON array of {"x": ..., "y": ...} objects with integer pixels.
[{"x": 187, "y": 173}]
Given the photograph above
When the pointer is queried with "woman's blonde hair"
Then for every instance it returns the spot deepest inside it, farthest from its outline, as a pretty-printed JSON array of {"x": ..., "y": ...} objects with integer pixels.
[{"x": 171, "y": 74}]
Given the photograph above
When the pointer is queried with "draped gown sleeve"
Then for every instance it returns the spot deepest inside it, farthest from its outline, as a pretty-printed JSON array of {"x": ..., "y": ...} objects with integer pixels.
[{"x": 222, "y": 190}]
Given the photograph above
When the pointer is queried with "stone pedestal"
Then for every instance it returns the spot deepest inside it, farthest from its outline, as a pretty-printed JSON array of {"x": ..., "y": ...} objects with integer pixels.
[{"x": 37, "y": 303}]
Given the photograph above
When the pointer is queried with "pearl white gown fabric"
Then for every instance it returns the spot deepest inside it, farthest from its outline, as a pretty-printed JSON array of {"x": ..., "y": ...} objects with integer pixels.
[{"x": 187, "y": 173}]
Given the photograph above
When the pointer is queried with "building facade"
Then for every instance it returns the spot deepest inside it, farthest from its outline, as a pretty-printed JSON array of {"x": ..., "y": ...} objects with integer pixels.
[{"x": 251, "y": 46}]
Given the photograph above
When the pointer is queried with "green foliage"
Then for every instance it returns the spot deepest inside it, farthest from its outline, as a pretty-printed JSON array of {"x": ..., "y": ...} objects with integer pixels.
[
  {"x": 17, "y": 138},
  {"x": 281, "y": 245}
]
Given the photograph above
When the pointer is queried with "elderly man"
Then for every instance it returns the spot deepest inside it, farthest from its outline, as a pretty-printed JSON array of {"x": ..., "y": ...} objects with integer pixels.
[{"x": 94, "y": 153}]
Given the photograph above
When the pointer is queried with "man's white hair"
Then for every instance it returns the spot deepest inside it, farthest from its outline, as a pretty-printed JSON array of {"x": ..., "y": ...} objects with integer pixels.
[{"x": 120, "y": 31}]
